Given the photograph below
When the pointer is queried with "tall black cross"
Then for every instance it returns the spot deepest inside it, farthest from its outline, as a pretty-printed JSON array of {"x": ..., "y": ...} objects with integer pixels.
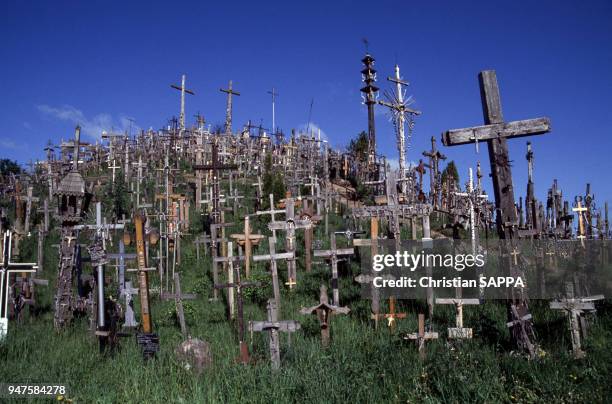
[{"x": 495, "y": 133}]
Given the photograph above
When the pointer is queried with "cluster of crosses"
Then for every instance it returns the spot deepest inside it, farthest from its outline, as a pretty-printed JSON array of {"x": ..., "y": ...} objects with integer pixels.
[{"x": 155, "y": 182}]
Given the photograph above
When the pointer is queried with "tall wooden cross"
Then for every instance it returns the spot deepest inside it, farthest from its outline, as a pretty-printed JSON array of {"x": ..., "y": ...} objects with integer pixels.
[
  {"x": 434, "y": 172},
  {"x": 372, "y": 242},
  {"x": 148, "y": 340},
  {"x": 333, "y": 253},
  {"x": 228, "y": 111},
  {"x": 183, "y": 91},
  {"x": 273, "y": 257},
  {"x": 7, "y": 268},
  {"x": 273, "y": 326},
  {"x": 580, "y": 210},
  {"x": 495, "y": 133}
]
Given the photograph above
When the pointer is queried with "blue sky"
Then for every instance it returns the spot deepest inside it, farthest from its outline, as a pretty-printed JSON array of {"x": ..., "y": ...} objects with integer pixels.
[{"x": 99, "y": 62}]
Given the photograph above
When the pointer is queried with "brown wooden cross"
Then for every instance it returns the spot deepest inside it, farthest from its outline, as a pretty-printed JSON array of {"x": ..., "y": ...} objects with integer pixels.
[
  {"x": 422, "y": 336},
  {"x": 496, "y": 132},
  {"x": 323, "y": 311},
  {"x": 247, "y": 240},
  {"x": 391, "y": 316},
  {"x": 273, "y": 326}
]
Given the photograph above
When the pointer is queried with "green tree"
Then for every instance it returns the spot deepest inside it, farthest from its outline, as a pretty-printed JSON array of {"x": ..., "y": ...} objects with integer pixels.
[
  {"x": 117, "y": 196},
  {"x": 450, "y": 170},
  {"x": 273, "y": 181},
  {"x": 358, "y": 147},
  {"x": 8, "y": 166}
]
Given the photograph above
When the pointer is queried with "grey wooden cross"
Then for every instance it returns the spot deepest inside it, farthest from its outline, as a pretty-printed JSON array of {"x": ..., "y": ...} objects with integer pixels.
[
  {"x": 290, "y": 225},
  {"x": 273, "y": 326},
  {"x": 273, "y": 256},
  {"x": 271, "y": 212},
  {"x": 333, "y": 253},
  {"x": 575, "y": 308}
]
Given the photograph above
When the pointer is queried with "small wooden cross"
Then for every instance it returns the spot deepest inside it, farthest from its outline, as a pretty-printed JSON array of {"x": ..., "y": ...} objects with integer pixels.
[
  {"x": 273, "y": 326},
  {"x": 324, "y": 310},
  {"x": 422, "y": 336},
  {"x": 458, "y": 332},
  {"x": 391, "y": 316},
  {"x": 575, "y": 309},
  {"x": 515, "y": 253}
]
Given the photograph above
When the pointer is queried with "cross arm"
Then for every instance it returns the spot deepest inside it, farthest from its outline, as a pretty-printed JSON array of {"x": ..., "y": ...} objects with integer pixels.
[
  {"x": 268, "y": 257},
  {"x": 284, "y": 326},
  {"x": 528, "y": 127}
]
